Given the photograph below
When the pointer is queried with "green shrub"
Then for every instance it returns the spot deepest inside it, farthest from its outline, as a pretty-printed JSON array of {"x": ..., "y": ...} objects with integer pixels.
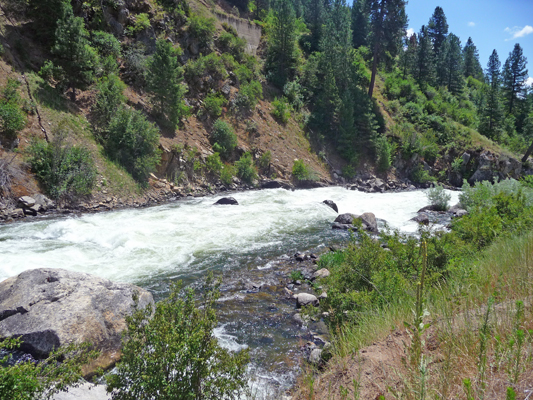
[
  {"x": 245, "y": 168},
  {"x": 12, "y": 119},
  {"x": 66, "y": 171},
  {"x": 420, "y": 175},
  {"x": 300, "y": 171},
  {"x": 223, "y": 136},
  {"x": 264, "y": 161},
  {"x": 281, "y": 110},
  {"x": 172, "y": 353},
  {"x": 109, "y": 98},
  {"x": 230, "y": 43},
  {"x": 226, "y": 175},
  {"x": 213, "y": 104},
  {"x": 135, "y": 64},
  {"x": 244, "y": 74},
  {"x": 106, "y": 44},
  {"x": 439, "y": 198},
  {"x": 133, "y": 141},
  {"x": 202, "y": 29},
  {"x": 214, "y": 165},
  {"x": 383, "y": 153},
  {"x": 28, "y": 380},
  {"x": 211, "y": 64},
  {"x": 142, "y": 22},
  {"x": 249, "y": 94},
  {"x": 293, "y": 91}
]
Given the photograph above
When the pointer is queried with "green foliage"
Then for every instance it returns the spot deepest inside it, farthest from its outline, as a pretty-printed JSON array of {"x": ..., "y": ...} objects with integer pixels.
[
  {"x": 230, "y": 43},
  {"x": 281, "y": 110},
  {"x": 296, "y": 276},
  {"x": 249, "y": 94},
  {"x": 438, "y": 197},
  {"x": 73, "y": 51},
  {"x": 300, "y": 171},
  {"x": 420, "y": 175},
  {"x": 165, "y": 78},
  {"x": 142, "y": 22},
  {"x": 214, "y": 165},
  {"x": 28, "y": 380},
  {"x": 109, "y": 98},
  {"x": 171, "y": 353},
  {"x": 264, "y": 161},
  {"x": 135, "y": 64},
  {"x": 383, "y": 153},
  {"x": 245, "y": 168},
  {"x": 132, "y": 141},
  {"x": 106, "y": 44},
  {"x": 211, "y": 64},
  {"x": 66, "y": 171},
  {"x": 293, "y": 91},
  {"x": 223, "y": 136},
  {"x": 12, "y": 118},
  {"x": 213, "y": 104},
  {"x": 202, "y": 29},
  {"x": 226, "y": 175}
]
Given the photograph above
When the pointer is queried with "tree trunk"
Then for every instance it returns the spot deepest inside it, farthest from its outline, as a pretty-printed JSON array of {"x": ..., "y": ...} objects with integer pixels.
[
  {"x": 377, "y": 38},
  {"x": 528, "y": 152}
]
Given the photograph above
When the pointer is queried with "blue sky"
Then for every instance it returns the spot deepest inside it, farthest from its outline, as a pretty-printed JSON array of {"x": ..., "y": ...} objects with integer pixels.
[{"x": 492, "y": 24}]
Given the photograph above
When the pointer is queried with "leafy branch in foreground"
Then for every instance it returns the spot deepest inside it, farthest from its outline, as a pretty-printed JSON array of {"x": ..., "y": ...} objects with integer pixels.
[
  {"x": 29, "y": 379},
  {"x": 171, "y": 353}
]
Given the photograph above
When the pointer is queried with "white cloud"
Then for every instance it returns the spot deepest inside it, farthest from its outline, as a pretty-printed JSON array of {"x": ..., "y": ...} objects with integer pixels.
[
  {"x": 471, "y": 24},
  {"x": 518, "y": 32},
  {"x": 410, "y": 32},
  {"x": 529, "y": 81}
]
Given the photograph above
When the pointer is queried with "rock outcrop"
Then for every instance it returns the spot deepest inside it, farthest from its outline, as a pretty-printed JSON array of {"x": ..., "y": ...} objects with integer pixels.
[
  {"x": 48, "y": 308},
  {"x": 227, "y": 201}
]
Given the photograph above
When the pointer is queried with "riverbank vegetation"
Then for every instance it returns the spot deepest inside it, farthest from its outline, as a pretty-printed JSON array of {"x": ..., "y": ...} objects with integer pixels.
[{"x": 460, "y": 303}]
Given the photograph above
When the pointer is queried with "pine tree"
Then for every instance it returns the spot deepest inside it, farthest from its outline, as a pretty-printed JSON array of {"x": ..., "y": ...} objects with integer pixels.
[
  {"x": 408, "y": 57},
  {"x": 360, "y": 23},
  {"x": 45, "y": 15},
  {"x": 388, "y": 24},
  {"x": 314, "y": 18},
  {"x": 165, "y": 78},
  {"x": 492, "y": 114},
  {"x": 74, "y": 54},
  {"x": 514, "y": 77},
  {"x": 283, "y": 51},
  {"x": 425, "y": 70},
  {"x": 471, "y": 66},
  {"x": 438, "y": 29},
  {"x": 453, "y": 62}
]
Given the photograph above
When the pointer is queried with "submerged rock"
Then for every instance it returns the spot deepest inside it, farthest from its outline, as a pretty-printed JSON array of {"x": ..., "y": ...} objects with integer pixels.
[
  {"x": 48, "y": 308},
  {"x": 227, "y": 201}
]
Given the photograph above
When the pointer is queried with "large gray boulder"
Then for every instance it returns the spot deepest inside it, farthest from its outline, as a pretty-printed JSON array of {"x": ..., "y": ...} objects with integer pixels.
[
  {"x": 304, "y": 299},
  {"x": 48, "y": 308}
]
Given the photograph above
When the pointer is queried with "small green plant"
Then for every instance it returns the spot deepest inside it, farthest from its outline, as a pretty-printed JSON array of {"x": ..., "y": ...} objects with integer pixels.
[
  {"x": 202, "y": 29},
  {"x": 66, "y": 171},
  {"x": 142, "y": 22},
  {"x": 12, "y": 118},
  {"x": 245, "y": 168},
  {"x": 510, "y": 394},
  {"x": 300, "y": 171},
  {"x": 296, "y": 276},
  {"x": 438, "y": 198},
  {"x": 214, "y": 165},
  {"x": 281, "y": 110},
  {"x": 264, "y": 161},
  {"x": 213, "y": 104},
  {"x": 457, "y": 164},
  {"x": 383, "y": 153},
  {"x": 226, "y": 175},
  {"x": 249, "y": 94},
  {"x": 223, "y": 138}
]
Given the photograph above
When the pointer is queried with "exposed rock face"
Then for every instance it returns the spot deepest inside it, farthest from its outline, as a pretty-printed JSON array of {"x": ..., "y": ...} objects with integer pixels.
[
  {"x": 227, "y": 201},
  {"x": 331, "y": 204},
  {"x": 48, "y": 308}
]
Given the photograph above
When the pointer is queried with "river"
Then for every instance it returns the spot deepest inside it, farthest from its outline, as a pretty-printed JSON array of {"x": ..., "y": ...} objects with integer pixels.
[{"x": 184, "y": 239}]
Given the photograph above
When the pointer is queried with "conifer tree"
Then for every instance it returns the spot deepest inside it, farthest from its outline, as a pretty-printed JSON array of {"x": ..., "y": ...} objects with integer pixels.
[
  {"x": 45, "y": 15},
  {"x": 438, "y": 29},
  {"x": 314, "y": 18},
  {"x": 283, "y": 51},
  {"x": 388, "y": 23},
  {"x": 165, "y": 78},
  {"x": 452, "y": 63},
  {"x": 360, "y": 23},
  {"x": 73, "y": 51},
  {"x": 471, "y": 65},
  {"x": 408, "y": 57},
  {"x": 492, "y": 113},
  {"x": 425, "y": 70},
  {"x": 514, "y": 77}
]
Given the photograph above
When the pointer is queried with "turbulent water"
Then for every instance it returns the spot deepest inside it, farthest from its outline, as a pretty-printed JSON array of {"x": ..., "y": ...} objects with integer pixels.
[{"x": 184, "y": 239}]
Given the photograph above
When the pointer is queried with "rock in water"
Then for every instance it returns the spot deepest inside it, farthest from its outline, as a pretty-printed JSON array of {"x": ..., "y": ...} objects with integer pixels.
[
  {"x": 331, "y": 204},
  {"x": 346, "y": 219},
  {"x": 421, "y": 218},
  {"x": 48, "y": 308},
  {"x": 369, "y": 221},
  {"x": 303, "y": 299},
  {"x": 227, "y": 200}
]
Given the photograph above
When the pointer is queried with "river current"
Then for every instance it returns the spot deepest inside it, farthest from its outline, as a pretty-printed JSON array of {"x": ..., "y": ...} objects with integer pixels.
[{"x": 184, "y": 239}]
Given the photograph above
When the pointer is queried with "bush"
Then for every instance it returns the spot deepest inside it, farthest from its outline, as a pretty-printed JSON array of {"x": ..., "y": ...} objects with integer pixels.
[
  {"x": 28, "y": 379},
  {"x": 171, "y": 353},
  {"x": 202, "y": 29},
  {"x": 383, "y": 153},
  {"x": 109, "y": 98},
  {"x": 211, "y": 64},
  {"x": 300, "y": 170},
  {"x": 223, "y": 136},
  {"x": 106, "y": 44},
  {"x": 249, "y": 94},
  {"x": 420, "y": 175},
  {"x": 142, "y": 22},
  {"x": 232, "y": 44},
  {"x": 439, "y": 198},
  {"x": 12, "y": 119},
  {"x": 226, "y": 175},
  {"x": 245, "y": 168},
  {"x": 213, "y": 104},
  {"x": 281, "y": 110},
  {"x": 135, "y": 64},
  {"x": 133, "y": 141},
  {"x": 65, "y": 171},
  {"x": 214, "y": 165},
  {"x": 264, "y": 161},
  {"x": 293, "y": 92}
]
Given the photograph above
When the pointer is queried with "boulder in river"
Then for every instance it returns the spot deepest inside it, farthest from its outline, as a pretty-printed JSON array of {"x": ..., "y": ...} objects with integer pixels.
[
  {"x": 369, "y": 222},
  {"x": 346, "y": 219},
  {"x": 421, "y": 218},
  {"x": 331, "y": 204},
  {"x": 227, "y": 201},
  {"x": 51, "y": 307},
  {"x": 304, "y": 299}
]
